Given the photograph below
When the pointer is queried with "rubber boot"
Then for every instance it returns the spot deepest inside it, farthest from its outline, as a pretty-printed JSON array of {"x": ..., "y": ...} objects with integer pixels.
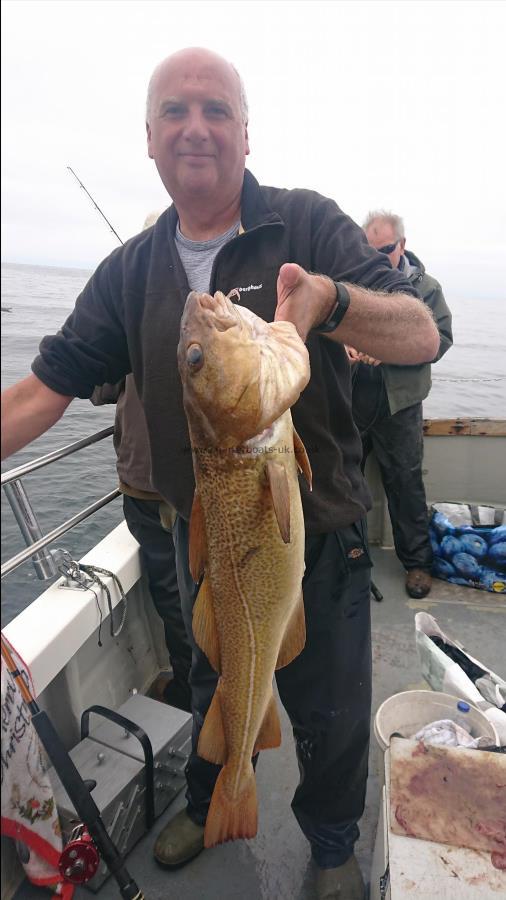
[
  {"x": 179, "y": 842},
  {"x": 341, "y": 883}
]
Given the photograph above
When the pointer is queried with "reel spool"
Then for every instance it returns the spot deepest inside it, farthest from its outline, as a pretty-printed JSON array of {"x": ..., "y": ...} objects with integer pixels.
[{"x": 80, "y": 858}]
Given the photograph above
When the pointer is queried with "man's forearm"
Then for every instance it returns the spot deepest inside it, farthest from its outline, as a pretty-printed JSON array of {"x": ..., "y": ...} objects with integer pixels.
[
  {"x": 394, "y": 328},
  {"x": 29, "y": 408}
]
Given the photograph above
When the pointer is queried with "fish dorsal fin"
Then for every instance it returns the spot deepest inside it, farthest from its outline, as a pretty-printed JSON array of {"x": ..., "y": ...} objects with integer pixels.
[
  {"x": 302, "y": 458},
  {"x": 294, "y": 637},
  {"x": 204, "y": 625},
  {"x": 280, "y": 493},
  {"x": 197, "y": 540},
  {"x": 269, "y": 735},
  {"x": 212, "y": 743}
]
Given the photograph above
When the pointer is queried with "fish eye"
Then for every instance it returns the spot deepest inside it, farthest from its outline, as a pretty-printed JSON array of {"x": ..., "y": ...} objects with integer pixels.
[{"x": 195, "y": 357}]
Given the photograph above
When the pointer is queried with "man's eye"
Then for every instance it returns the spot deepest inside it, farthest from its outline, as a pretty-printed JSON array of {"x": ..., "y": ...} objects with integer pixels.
[
  {"x": 216, "y": 111},
  {"x": 173, "y": 111}
]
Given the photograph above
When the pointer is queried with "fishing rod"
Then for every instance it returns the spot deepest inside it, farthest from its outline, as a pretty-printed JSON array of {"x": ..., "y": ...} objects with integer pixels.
[
  {"x": 80, "y": 858},
  {"x": 97, "y": 207}
]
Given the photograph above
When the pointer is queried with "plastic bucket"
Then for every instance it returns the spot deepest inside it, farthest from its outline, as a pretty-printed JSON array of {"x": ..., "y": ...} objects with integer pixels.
[{"x": 409, "y": 711}]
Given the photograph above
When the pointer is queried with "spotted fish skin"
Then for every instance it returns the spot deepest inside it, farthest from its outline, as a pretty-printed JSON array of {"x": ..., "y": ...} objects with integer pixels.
[{"x": 246, "y": 534}]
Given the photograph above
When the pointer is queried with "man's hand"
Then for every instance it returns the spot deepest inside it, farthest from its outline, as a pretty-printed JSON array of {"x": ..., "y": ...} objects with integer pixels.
[
  {"x": 304, "y": 299},
  {"x": 352, "y": 354},
  {"x": 356, "y": 356}
]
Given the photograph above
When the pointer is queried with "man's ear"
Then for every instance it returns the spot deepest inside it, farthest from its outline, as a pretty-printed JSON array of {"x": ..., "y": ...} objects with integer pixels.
[
  {"x": 246, "y": 140},
  {"x": 403, "y": 244},
  {"x": 148, "y": 135}
]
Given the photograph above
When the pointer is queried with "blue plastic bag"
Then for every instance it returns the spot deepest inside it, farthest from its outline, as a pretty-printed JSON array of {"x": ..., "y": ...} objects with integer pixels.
[{"x": 469, "y": 544}]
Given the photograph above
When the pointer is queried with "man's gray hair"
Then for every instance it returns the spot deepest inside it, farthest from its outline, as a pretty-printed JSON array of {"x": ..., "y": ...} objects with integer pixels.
[
  {"x": 384, "y": 215},
  {"x": 243, "y": 100}
]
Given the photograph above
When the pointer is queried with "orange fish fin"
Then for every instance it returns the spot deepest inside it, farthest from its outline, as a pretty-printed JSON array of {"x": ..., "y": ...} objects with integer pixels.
[
  {"x": 280, "y": 493},
  {"x": 204, "y": 625},
  {"x": 269, "y": 735},
  {"x": 302, "y": 458},
  {"x": 294, "y": 637},
  {"x": 197, "y": 541},
  {"x": 212, "y": 744},
  {"x": 232, "y": 817}
]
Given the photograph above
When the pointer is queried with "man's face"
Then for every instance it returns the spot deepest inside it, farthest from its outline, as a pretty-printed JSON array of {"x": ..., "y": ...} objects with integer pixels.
[
  {"x": 196, "y": 135},
  {"x": 381, "y": 234}
]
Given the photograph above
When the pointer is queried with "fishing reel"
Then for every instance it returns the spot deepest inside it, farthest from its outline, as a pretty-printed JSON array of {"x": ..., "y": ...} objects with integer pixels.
[{"x": 80, "y": 858}]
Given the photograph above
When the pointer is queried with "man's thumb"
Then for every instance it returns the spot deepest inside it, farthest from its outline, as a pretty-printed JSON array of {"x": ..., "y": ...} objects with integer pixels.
[{"x": 289, "y": 275}]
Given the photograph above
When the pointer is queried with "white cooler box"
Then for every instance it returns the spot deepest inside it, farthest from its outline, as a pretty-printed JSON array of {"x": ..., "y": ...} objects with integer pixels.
[{"x": 406, "y": 867}]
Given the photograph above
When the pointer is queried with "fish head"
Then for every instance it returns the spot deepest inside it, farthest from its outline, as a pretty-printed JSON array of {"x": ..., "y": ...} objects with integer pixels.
[{"x": 239, "y": 373}]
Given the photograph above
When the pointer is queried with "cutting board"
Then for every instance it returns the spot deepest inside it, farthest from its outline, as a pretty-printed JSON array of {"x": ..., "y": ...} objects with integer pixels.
[{"x": 450, "y": 795}]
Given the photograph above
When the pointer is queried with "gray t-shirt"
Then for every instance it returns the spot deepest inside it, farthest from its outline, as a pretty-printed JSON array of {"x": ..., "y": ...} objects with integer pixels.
[{"x": 198, "y": 256}]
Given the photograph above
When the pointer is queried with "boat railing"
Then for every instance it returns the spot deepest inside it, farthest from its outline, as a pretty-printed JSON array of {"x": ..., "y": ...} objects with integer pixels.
[{"x": 45, "y": 561}]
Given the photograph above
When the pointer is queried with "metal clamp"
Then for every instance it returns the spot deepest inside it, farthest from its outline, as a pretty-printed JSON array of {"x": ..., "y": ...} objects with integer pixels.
[
  {"x": 74, "y": 577},
  {"x": 384, "y": 882}
]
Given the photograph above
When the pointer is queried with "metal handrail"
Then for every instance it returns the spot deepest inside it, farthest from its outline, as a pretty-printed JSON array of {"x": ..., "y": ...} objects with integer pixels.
[
  {"x": 23, "y": 511},
  {"x": 21, "y": 557},
  {"x": 25, "y": 469}
]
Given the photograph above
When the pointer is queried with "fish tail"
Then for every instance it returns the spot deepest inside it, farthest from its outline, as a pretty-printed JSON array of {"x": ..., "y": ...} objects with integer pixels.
[{"x": 232, "y": 817}]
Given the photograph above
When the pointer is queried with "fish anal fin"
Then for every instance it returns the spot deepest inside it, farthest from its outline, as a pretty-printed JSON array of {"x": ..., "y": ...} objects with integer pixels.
[
  {"x": 302, "y": 459},
  {"x": 204, "y": 625},
  {"x": 230, "y": 817},
  {"x": 269, "y": 735},
  {"x": 197, "y": 540},
  {"x": 212, "y": 743},
  {"x": 294, "y": 638},
  {"x": 280, "y": 494}
]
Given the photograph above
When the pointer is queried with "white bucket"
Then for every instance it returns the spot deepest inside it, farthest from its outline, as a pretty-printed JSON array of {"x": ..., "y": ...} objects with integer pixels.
[{"x": 407, "y": 712}]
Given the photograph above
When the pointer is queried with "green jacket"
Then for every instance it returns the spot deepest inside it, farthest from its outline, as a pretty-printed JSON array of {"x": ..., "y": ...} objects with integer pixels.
[{"x": 406, "y": 385}]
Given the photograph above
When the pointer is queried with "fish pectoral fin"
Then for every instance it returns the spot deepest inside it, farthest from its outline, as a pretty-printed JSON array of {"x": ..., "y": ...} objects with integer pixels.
[
  {"x": 204, "y": 627},
  {"x": 197, "y": 541},
  {"x": 294, "y": 638},
  {"x": 302, "y": 458},
  {"x": 212, "y": 744},
  {"x": 269, "y": 735},
  {"x": 233, "y": 813},
  {"x": 280, "y": 493}
]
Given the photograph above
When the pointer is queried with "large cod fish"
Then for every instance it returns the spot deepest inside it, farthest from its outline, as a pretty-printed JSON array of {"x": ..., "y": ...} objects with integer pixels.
[{"x": 240, "y": 377}]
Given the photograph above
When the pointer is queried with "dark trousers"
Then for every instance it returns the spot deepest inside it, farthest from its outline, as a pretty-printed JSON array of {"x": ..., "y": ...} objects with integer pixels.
[
  {"x": 397, "y": 442},
  {"x": 326, "y": 692},
  {"x": 159, "y": 560}
]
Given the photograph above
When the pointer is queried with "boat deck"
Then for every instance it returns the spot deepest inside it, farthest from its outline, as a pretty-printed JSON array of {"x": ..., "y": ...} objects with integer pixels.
[{"x": 276, "y": 865}]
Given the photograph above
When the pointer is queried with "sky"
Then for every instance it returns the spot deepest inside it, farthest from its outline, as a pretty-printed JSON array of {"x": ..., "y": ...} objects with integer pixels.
[{"x": 396, "y": 105}]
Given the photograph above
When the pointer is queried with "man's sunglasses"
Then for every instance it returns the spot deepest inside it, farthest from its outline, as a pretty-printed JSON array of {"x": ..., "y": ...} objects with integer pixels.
[{"x": 388, "y": 248}]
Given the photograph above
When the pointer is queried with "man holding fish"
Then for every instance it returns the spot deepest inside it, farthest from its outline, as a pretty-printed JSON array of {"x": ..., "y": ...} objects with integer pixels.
[{"x": 238, "y": 376}]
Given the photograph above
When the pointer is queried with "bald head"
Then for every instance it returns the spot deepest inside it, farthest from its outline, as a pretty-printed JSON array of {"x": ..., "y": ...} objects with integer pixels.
[
  {"x": 205, "y": 59},
  {"x": 197, "y": 135}
]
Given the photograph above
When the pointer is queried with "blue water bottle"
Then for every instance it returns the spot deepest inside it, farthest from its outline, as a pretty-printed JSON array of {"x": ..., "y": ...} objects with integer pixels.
[{"x": 463, "y": 719}]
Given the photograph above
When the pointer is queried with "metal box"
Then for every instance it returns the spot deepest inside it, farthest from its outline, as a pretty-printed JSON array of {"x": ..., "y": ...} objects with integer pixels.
[
  {"x": 168, "y": 729},
  {"x": 114, "y": 758}
]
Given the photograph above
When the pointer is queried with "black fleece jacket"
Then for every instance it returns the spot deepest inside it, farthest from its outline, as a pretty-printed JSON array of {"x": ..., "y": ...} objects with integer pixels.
[{"x": 127, "y": 319}]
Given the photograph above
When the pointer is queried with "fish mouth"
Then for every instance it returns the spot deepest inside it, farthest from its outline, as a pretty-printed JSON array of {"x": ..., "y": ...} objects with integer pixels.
[{"x": 216, "y": 312}]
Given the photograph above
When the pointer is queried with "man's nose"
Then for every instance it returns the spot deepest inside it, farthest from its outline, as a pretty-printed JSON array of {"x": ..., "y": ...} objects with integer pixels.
[{"x": 196, "y": 127}]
